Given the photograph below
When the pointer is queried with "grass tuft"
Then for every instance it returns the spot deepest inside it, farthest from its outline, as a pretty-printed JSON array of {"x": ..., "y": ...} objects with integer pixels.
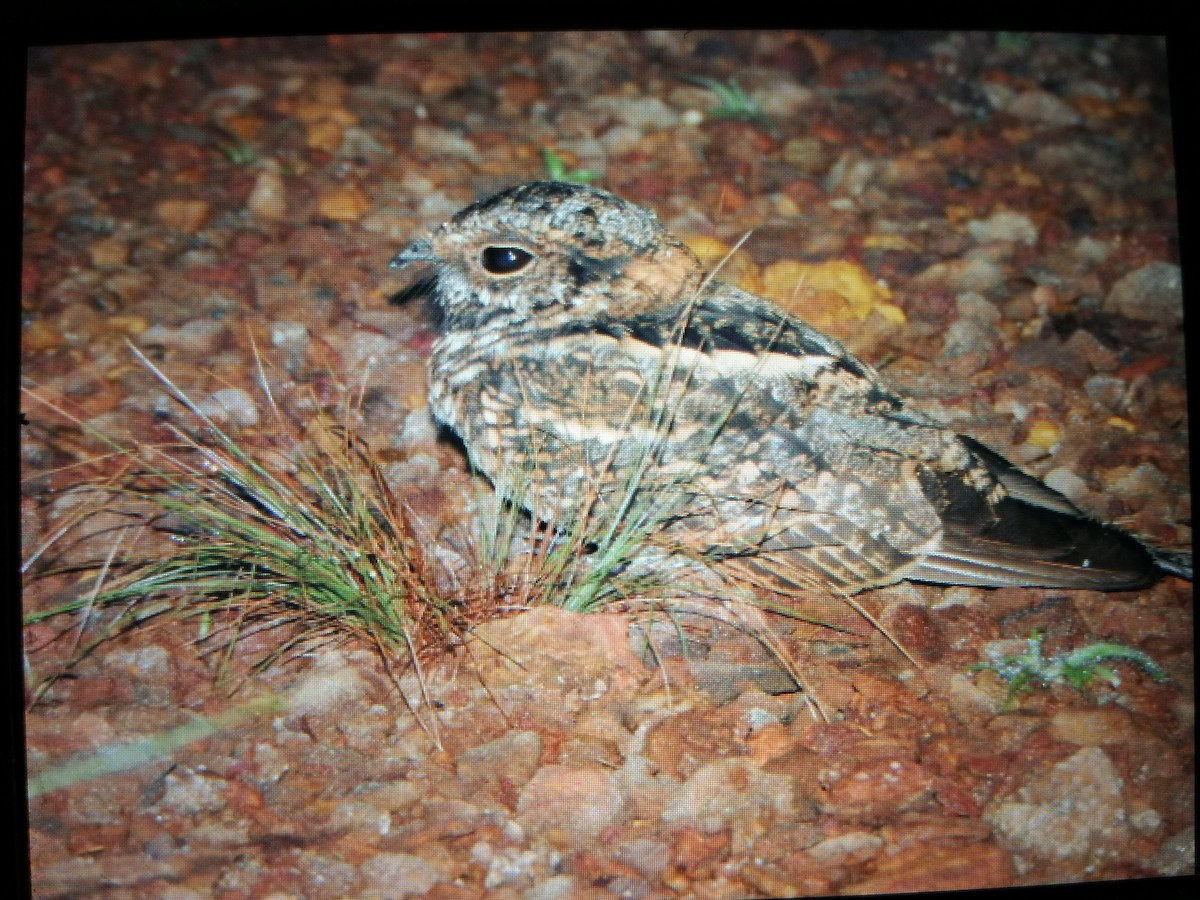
[{"x": 306, "y": 539}]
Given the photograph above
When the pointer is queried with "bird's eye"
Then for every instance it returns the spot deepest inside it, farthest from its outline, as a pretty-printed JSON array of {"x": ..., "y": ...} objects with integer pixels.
[{"x": 505, "y": 260}]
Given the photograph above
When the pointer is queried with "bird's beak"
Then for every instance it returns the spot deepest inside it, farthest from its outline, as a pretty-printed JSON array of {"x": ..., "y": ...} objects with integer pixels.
[{"x": 417, "y": 251}]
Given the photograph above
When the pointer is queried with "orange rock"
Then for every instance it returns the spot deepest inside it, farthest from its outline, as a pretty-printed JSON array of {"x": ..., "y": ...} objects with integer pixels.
[
  {"x": 343, "y": 204},
  {"x": 41, "y": 335},
  {"x": 109, "y": 252},
  {"x": 186, "y": 215},
  {"x": 521, "y": 91},
  {"x": 245, "y": 127},
  {"x": 324, "y": 135}
]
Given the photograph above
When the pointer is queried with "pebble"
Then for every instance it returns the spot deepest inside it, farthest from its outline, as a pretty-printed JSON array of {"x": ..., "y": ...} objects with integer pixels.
[
  {"x": 1045, "y": 435},
  {"x": 441, "y": 143},
  {"x": 334, "y": 683},
  {"x": 186, "y": 215},
  {"x": 1107, "y": 390},
  {"x": 557, "y": 887},
  {"x": 419, "y": 430},
  {"x": 418, "y": 469},
  {"x": 513, "y": 757},
  {"x": 1177, "y": 855},
  {"x": 783, "y": 99},
  {"x": 1092, "y": 251},
  {"x": 966, "y": 336},
  {"x": 268, "y": 199},
  {"x": 1073, "y": 811},
  {"x": 197, "y": 336},
  {"x": 346, "y": 204},
  {"x": 722, "y": 791},
  {"x": 1004, "y": 226},
  {"x": 853, "y": 843},
  {"x": 192, "y": 792},
  {"x": 109, "y": 253},
  {"x": 580, "y": 801},
  {"x": 232, "y": 405},
  {"x": 643, "y": 113},
  {"x": 292, "y": 337},
  {"x": 1153, "y": 293},
  {"x": 1092, "y": 727},
  {"x": 1042, "y": 108},
  {"x": 649, "y": 856},
  {"x": 1141, "y": 485}
]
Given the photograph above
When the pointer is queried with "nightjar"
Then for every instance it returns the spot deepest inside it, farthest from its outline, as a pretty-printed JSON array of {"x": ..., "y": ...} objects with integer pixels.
[{"x": 584, "y": 357}]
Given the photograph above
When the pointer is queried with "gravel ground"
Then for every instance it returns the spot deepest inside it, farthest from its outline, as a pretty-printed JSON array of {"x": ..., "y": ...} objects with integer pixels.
[{"x": 989, "y": 219}]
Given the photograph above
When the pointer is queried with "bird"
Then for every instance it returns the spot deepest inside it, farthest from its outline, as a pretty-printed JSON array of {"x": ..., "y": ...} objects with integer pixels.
[{"x": 582, "y": 351}]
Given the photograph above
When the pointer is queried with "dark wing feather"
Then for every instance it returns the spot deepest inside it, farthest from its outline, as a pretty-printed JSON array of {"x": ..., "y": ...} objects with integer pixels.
[{"x": 1035, "y": 537}]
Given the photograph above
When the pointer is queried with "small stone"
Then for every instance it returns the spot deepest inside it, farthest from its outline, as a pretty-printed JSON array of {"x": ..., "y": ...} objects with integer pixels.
[
  {"x": 268, "y": 199},
  {"x": 191, "y": 792},
  {"x": 1140, "y": 485},
  {"x": 783, "y": 100},
  {"x": 109, "y": 252},
  {"x": 40, "y": 335},
  {"x": 853, "y": 843},
  {"x": 1043, "y": 108},
  {"x": 966, "y": 336},
  {"x": 232, "y": 405},
  {"x": 1092, "y": 251},
  {"x": 722, "y": 791},
  {"x": 1004, "y": 226},
  {"x": 186, "y": 215},
  {"x": 1177, "y": 855},
  {"x": 513, "y": 757},
  {"x": 1044, "y": 434},
  {"x": 1074, "y": 811},
  {"x": 441, "y": 143},
  {"x": 650, "y": 857},
  {"x": 292, "y": 337},
  {"x": 343, "y": 204},
  {"x": 580, "y": 801},
  {"x": 973, "y": 305},
  {"x": 1092, "y": 727},
  {"x": 1153, "y": 293},
  {"x": 557, "y": 887},
  {"x": 196, "y": 336},
  {"x": 333, "y": 684},
  {"x": 1106, "y": 390},
  {"x": 644, "y": 113},
  {"x": 419, "y": 430}
]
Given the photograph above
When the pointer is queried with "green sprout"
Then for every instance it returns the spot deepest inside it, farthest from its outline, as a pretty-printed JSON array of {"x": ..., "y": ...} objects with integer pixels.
[
  {"x": 1077, "y": 668},
  {"x": 734, "y": 103},
  {"x": 240, "y": 153},
  {"x": 556, "y": 168}
]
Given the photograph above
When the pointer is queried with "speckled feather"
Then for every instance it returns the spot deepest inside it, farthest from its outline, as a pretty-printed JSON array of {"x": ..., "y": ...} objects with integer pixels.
[{"x": 582, "y": 351}]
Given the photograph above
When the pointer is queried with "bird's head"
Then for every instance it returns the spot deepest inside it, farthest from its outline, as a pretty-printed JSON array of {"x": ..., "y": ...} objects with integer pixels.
[{"x": 548, "y": 250}]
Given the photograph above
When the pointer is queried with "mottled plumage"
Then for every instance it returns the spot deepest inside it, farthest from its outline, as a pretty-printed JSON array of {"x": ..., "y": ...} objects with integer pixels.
[{"x": 583, "y": 353}]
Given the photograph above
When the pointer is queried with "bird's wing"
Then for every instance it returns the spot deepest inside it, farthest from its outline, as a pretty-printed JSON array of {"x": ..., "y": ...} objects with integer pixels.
[{"x": 1033, "y": 537}]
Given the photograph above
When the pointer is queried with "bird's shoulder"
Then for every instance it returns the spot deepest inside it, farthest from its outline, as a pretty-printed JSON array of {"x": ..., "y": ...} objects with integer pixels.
[{"x": 730, "y": 333}]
